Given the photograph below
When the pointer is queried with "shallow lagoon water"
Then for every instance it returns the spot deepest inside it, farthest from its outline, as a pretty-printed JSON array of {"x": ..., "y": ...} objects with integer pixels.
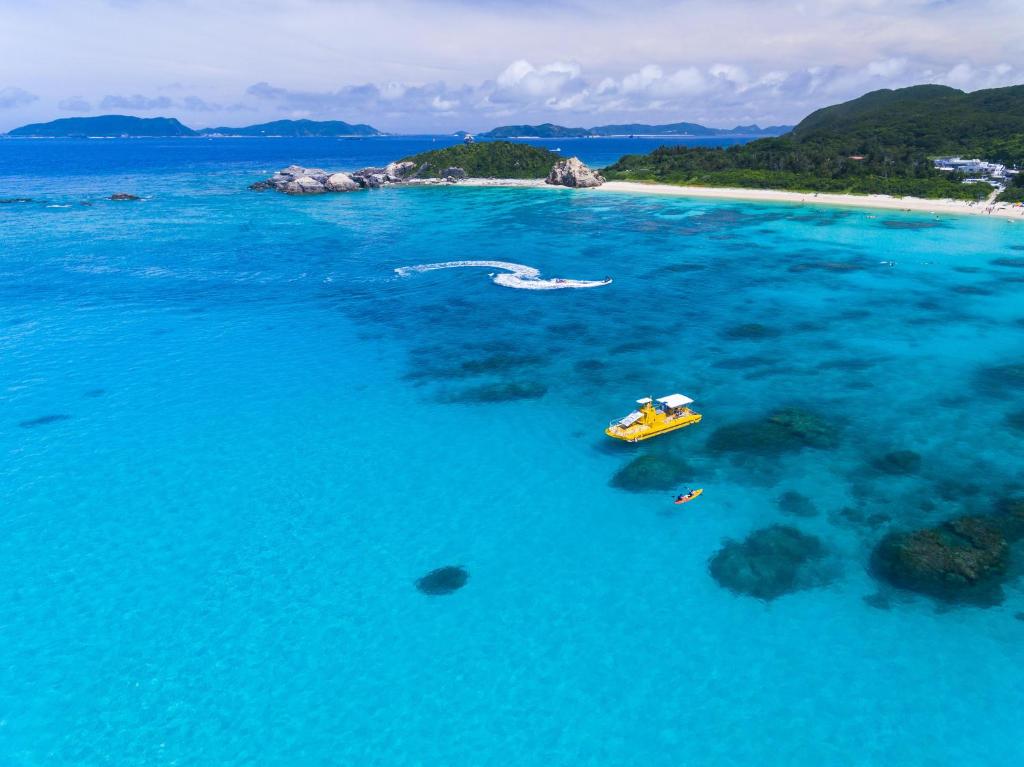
[{"x": 249, "y": 440}]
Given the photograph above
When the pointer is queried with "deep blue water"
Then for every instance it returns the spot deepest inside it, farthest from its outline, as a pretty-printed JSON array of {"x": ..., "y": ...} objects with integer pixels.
[{"x": 232, "y": 440}]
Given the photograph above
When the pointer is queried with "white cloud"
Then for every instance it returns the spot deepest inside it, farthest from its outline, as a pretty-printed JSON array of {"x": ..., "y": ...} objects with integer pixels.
[
  {"x": 136, "y": 102},
  {"x": 74, "y": 105},
  {"x": 407, "y": 65},
  {"x": 15, "y": 97}
]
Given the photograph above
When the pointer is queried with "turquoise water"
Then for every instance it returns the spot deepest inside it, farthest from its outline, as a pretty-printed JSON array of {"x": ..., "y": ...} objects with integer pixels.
[{"x": 255, "y": 438}]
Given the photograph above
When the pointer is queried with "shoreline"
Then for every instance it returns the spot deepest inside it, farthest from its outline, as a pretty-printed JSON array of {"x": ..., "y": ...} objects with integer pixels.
[{"x": 869, "y": 201}]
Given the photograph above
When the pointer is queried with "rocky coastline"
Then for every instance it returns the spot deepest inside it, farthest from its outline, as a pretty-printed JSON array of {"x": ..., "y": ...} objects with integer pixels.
[{"x": 299, "y": 180}]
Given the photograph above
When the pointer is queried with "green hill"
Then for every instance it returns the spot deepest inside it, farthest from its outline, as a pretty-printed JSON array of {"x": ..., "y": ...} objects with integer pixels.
[
  {"x": 105, "y": 125},
  {"x": 294, "y": 128},
  {"x": 547, "y": 130},
  {"x": 487, "y": 159},
  {"x": 882, "y": 142}
]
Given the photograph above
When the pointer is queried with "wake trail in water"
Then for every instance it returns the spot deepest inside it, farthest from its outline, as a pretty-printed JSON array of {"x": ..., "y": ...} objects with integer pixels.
[{"x": 517, "y": 276}]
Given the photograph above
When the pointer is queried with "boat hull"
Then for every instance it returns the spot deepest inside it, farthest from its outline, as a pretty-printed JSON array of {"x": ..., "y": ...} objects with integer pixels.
[
  {"x": 639, "y": 432},
  {"x": 686, "y": 499}
]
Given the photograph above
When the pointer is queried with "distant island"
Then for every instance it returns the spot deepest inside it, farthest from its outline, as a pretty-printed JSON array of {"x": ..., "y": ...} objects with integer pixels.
[
  {"x": 549, "y": 130},
  {"x": 885, "y": 142},
  {"x": 163, "y": 127},
  {"x": 295, "y": 128},
  {"x": 105, "y": 125}
]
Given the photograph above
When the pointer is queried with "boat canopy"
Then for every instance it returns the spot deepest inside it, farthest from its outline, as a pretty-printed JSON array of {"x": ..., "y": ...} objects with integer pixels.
[
  {"x": 631, "y": 419},
  {"x": 674, "y": 400},
  {"x": 644, "y": 401}
]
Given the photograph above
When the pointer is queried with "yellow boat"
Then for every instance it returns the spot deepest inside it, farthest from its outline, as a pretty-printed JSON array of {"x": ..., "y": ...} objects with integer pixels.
[{"x": 651, "y": 419}]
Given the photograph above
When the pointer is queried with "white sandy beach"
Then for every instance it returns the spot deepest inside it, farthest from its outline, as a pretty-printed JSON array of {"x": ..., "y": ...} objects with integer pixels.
[
  {"x": 878, "y": 201},
  {"x": 869, "y": 201}
]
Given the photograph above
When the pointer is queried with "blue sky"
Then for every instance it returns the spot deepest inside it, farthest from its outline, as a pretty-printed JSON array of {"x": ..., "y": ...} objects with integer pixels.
[{"x": 441, "y": 65}]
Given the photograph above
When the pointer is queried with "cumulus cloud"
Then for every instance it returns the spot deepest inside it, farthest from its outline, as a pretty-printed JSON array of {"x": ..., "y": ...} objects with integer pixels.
[
  {"x": 720, "y": 94},
  {"x": 74, "y": 105},
  {"x": 390, "y": 99},
  {"x": 11, "y": 97},
  {"x": 137, "y": 102}
]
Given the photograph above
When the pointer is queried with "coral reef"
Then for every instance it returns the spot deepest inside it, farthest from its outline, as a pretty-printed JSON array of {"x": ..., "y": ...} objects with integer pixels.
[
  {"x": 443, "y": 580},
  {"x": 771, "y": 562}
]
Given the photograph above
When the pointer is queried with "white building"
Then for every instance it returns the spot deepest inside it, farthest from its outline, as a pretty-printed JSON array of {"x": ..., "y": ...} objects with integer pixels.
[{"x": 975, "y": 166}]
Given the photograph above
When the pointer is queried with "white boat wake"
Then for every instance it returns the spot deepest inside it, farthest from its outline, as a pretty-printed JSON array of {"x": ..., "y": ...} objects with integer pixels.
[{"x": 516, "y": 276}]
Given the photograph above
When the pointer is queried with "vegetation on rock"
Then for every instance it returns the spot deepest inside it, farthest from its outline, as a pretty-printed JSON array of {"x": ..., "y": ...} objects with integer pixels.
[
  {"x": 487, "y": 159},
  {"x": 880, "y": 143}
]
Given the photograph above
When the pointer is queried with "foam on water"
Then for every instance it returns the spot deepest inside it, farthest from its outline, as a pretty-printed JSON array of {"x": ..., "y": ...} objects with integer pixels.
[{"x": 519, "y": 276}]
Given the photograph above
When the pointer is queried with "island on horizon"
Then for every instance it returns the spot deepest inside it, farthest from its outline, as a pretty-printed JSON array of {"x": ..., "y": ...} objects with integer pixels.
[
  {"x": 677, "y": 130},
  {"x": 104, "y": 126}
]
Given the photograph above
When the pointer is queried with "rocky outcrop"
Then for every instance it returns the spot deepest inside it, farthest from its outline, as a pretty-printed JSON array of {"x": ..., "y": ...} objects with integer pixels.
[
  {"x": 298, "y": 180},
  {"x": 453, "y": 174},
  {"x": 123, "y": 197},
  {"x": 962, "y": 560},
  {"x": 574, "y": 173}
]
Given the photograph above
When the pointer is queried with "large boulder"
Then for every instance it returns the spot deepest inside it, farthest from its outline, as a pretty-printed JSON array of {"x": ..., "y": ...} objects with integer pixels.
[
  {"x": 962, "y": 560},
  {"x": 340, "y": 182},
  {"x": 371, "y": 178},
  {"x": 573, "y": 172},
  {"x": 304, "y": 185},
  {"x": 399, "y": 171},
  {"x": 454, "y": 173}
]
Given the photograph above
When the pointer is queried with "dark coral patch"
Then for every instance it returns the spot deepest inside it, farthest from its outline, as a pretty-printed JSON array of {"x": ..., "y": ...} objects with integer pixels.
[
  {"x": 630, "y": 346},
  {"x": 850, "y": 516},
  {"x": 499, "y": 363},
  {"x": 853, "y": 364},
  {"x": 11, "y": 200},
  {"x": 568, "y": 328},
  {"x": 962, "y": 560},
  {"x": 495, "y": 392},
  {"x": 651, "y": 472},
  {"x": 1015, "y": 262},
  {"x": 783, "y": 431},
  {"x": 751, "y": 331},
  {"x": 972, "y": 290},
  {"x": 826, "y": 266},
  {"x": 682, "y": 268},
  {"x": 1009, "y": 517},
  {"x": 878, "y": 601},
  {"x": 771, "y": 562},
  {"x": 443, "y": 580},
  {"x": 897, "y": 462},
  {"x": 1015, "y": 420},
  {"x": 93, "y": 393},
  {"x": 1000, "y": 380},
  {"x": 742, "y": 363},
  {"x": 894, "y": 224},
  {"x": 43, "y": 420},
  {"x": 796, "y": 504}
]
